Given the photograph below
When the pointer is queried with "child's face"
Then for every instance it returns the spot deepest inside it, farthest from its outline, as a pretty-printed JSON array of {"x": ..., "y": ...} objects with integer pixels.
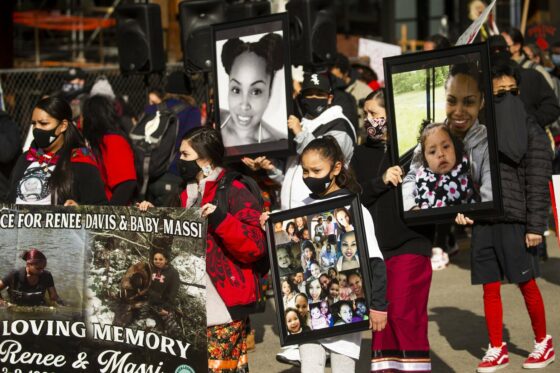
[
  {"x": 290, "y": 229},
  {"x": 298, "y": 278},
  {"x": 284, "y": 259},
  {"x": 292, "y": 322},
  {"x": 315, "y": 270},
  {"x": 299, "y": 222},
  {"x": 334, "y": 290},
  {"x": 308, "y": 253},
  {"x": 278, "y": 227},
  {"x": 355, "y": 283},
  {"x": 348, "y": 246},
  {"x": 342, "y": 280},
  {"x": 315, "y": 290},
  {"x": 305, "y": 234},
  {"x": 315, "y": 313},
  {"x": 439, "y": 151},
  {"x": 286, "y": 288},
  {"x": 346, "y": 313},
  {"x": 316, "y": 166}
]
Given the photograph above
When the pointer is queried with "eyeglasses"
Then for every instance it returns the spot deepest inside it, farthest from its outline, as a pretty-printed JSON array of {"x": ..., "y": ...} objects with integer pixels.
[{"x": 503, "y": 92}]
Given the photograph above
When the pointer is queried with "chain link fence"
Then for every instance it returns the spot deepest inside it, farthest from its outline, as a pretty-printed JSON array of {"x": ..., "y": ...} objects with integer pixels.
[{"x": 23, "y": 88}]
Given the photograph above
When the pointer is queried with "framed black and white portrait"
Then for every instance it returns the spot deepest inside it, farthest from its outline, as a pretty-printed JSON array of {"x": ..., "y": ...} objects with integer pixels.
[
  {"x": 253, "y": 85},
  {"x": 319, "y": 257},
  {"x": 442, "y": 132}
]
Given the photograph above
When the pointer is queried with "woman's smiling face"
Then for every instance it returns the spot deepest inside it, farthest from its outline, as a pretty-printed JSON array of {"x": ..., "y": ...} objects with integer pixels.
[
  {"x": 249, "y": 90},
  {"x": 463, "y": 103}
]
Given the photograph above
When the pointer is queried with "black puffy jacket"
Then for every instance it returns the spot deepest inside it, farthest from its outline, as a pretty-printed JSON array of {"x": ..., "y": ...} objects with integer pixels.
[{"x": 525, "y": 192}]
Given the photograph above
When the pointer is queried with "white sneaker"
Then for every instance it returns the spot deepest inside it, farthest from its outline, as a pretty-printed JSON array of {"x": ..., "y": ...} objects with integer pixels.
[{"x": 439, "y": 259}]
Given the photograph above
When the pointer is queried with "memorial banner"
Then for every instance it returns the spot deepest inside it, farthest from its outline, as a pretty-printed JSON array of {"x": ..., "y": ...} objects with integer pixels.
[{"x": 102, "y": 289}]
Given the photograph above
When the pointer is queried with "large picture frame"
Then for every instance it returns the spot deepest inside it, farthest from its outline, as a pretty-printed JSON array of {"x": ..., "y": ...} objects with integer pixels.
[
  {"x": 442, "y": 133},
  {"x": 253, "y": 85},
  {"x": 310, "y": 247}
]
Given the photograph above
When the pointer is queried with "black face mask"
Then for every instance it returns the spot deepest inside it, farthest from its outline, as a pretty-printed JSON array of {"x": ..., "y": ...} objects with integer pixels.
[
  {"x": 44, "y": 139},
  {"x": 188, "y": 169},
  {"x": 318, "y": 185},
  {"x": 338, "y": 83},
  {"x": 314, "y": 106}
]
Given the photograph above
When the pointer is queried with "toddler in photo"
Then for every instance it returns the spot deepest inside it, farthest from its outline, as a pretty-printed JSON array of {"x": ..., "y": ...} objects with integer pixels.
[
  {"x": 318, "y": 319},
  {"x": 444, "y": 178},
  {"x": 294, "y": 321}
]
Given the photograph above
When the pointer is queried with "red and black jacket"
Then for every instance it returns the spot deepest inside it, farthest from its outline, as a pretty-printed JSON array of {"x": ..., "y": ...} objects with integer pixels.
[{"x": 234, "y": 242}]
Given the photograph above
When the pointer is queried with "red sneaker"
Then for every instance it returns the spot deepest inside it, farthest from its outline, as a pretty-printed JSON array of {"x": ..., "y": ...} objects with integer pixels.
[
  {"x": 496, "y": 358},
  {"x": 542, "y": 355}
]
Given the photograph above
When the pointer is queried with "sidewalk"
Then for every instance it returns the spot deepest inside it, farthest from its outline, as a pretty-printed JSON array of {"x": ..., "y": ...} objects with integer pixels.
[{"x": 457, "y": 328}]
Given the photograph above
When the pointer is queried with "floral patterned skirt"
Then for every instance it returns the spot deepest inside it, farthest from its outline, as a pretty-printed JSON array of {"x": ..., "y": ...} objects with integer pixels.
[{"x": 227, "y": 348}]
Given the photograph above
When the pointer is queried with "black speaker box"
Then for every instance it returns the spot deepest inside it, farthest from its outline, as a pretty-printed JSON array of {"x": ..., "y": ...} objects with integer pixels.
[
  {"x": 195, "y": 17},
  {"x": 312, "y": 31},
  {"x": 140, "y": 38},
  {"x": 238, "y": 11}
]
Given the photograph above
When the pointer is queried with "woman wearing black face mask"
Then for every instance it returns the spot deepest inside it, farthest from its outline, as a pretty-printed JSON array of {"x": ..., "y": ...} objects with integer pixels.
[
  {"x": 406, "y": 251},
  {"x": 57, "y": 168},
  {"x": 235, "y": 240}
]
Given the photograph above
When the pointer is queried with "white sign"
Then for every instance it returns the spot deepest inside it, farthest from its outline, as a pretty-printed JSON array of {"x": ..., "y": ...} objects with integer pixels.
[
  {"x": 376, "y": 51},
  {"x": 471, "y": 32}
]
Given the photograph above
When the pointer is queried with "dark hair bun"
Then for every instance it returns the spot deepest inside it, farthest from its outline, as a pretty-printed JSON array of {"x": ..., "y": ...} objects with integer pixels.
[{"x": 270, "y": 47}]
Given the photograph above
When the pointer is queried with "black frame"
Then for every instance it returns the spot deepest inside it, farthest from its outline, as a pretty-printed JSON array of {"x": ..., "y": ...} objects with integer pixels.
[
  {"x": 306, "y": 211},
  {"x": 432, "y": 59},
  {"x": 248, "y": 27}
]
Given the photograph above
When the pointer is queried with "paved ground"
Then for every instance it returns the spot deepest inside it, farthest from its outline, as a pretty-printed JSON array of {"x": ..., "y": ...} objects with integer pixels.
[{"x": 457, "y": 328}]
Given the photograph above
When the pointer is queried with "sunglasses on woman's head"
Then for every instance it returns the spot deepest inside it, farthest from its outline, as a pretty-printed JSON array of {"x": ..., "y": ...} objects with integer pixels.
[{"x": 503, "y": 92}]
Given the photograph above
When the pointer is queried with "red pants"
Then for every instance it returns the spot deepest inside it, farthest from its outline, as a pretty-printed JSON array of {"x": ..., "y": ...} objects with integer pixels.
[{"x": 494, "y": 313}]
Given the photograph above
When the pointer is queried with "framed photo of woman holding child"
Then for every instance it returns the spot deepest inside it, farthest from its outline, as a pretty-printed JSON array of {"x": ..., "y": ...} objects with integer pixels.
[
  {"x": 318, "y": 257},
  {"x": 253, "y": 85},
  {"x": 442, "y": 133}
]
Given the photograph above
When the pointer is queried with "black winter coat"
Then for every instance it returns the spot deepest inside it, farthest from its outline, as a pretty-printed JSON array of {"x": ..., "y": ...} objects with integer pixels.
[{"x": 525, "y": 192}]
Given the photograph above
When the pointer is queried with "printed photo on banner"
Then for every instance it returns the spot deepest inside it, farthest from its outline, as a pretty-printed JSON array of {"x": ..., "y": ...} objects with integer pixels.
[
  {"x": 100, "y": 288},
  {"x": 442, "y": 132},
  {"x": 319, "y": 266},
  {"x": 253, "y": 85}
]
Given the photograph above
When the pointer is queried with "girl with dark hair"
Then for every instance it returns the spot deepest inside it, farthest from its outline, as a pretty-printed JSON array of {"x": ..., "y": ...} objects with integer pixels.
[
  {"x": 406, "y": 251},
  {"x": 111, "y": 148},
  {"x": 326, "y": 176},
  {"x": 444, "y": 178},
  {"x": 235, "y": 242},
  {"x": 58, "y": 168},
  {"x": 291, "y": 231},
  {"x": 251, "y": 68},
  {"x": 27, "y": 286}
]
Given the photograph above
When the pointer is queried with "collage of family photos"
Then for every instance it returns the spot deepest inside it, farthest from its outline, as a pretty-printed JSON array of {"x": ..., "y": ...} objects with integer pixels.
[{"x": 318, "y": 262}]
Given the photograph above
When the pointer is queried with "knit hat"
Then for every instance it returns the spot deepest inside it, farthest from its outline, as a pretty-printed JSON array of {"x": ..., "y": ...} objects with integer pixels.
[
  {"x": 102, "y": 87},
  {"x": 178, "y": 83}
]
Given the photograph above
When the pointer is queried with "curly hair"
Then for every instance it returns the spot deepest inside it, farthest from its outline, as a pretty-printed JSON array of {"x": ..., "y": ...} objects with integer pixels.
[{"x": 270, "y": 47}]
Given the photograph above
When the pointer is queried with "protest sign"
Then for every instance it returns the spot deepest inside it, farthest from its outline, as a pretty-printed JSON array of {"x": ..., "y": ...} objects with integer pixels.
[
  {"x": 376, "y": 51},
  {"x": 120, "y": 290},
  {"x": 470, "y": 33}
]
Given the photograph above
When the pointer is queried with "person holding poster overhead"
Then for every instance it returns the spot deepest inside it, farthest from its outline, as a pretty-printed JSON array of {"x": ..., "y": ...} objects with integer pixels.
[
  {"x": 234, "y": 243},
  {"x": 406, "y": 251},
  {"x": 58, "y": 168},
  {"x": 506, "y": 247}
]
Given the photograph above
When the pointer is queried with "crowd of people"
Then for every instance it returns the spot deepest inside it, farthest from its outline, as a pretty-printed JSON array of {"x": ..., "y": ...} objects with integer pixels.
[{"x": 81, "y": 154}]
